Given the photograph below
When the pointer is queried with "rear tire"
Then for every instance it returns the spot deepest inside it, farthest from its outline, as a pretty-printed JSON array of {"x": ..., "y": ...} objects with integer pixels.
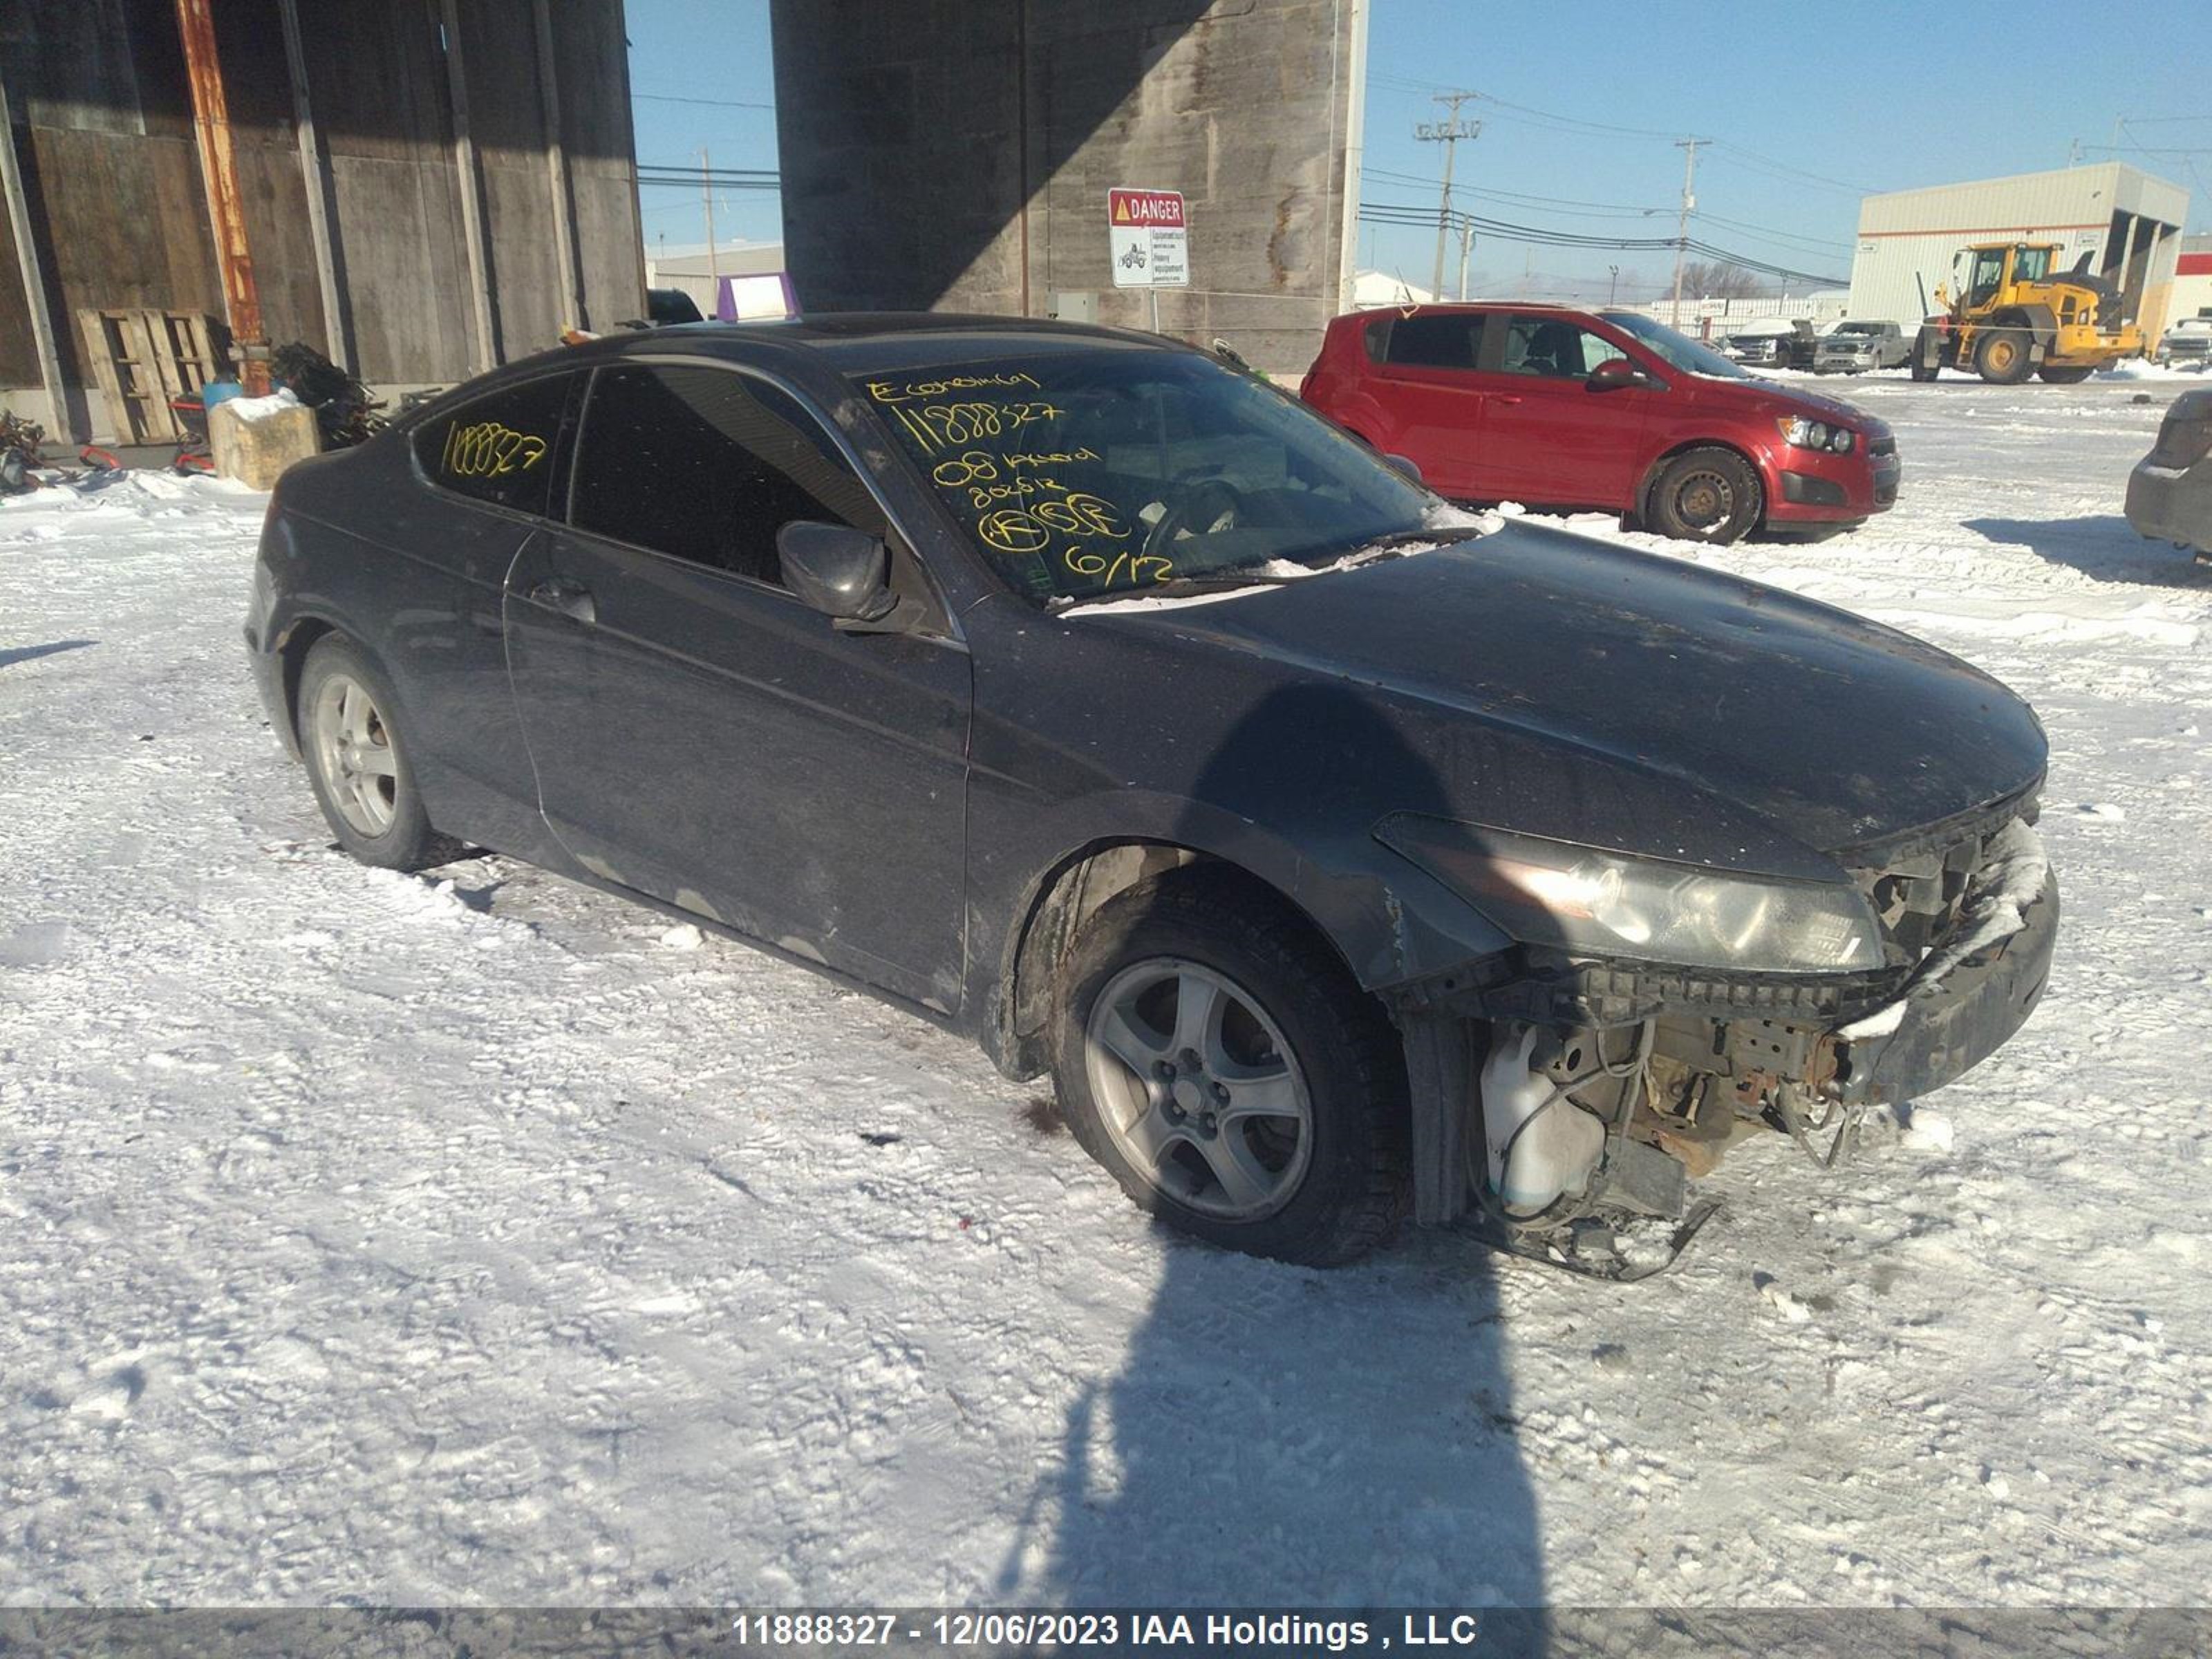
[
  {"x": 1710, "y": 495},
  {"x": 357, "y": 761},
  {"x": 2003, "y": 356},
  {"x": 1926, "y": 362},
  {"x": 2073, "y": 376},
  {"x": 1230, "y": 1075}
]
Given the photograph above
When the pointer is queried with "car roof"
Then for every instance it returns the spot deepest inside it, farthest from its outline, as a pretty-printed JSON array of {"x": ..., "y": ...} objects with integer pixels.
[
  {"x": 846, "y": 343},
  {"x": 1370, "y": 313},
  {"x": 865, "y": 341}
]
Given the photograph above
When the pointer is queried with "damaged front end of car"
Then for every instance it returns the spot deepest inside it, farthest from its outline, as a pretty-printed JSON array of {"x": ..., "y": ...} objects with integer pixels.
[{"x": 1568, "y": 1091}]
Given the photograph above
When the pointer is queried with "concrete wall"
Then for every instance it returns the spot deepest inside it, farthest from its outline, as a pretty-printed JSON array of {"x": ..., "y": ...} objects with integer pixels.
[
  {"x": 956, "y": 154},
  {"x": 117, "y": 208},
  {"x": 1907, "y": 238}
]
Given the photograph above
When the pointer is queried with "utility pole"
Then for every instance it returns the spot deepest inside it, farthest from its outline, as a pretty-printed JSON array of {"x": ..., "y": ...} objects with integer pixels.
[
  {"x": 1466, "y": 242},
  {"x": 1612, "y": 282},
  {"x": 1689, "y": 147},
  {"x": 1447, "y": 132},
  {"x": 713, "y": 268}
]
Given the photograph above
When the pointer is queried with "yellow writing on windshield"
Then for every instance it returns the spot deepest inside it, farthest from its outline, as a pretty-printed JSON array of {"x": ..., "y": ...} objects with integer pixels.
[
  {"x": 902, "y": 391},
  {"x": 1137, "y": 567},
  {"x": 1057, "y": 457}
]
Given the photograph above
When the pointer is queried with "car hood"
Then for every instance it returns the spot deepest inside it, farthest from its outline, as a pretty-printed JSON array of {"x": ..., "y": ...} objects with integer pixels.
[
  {"x": 1788, "y": 400},
  {"x": 1567, "y": 686}
]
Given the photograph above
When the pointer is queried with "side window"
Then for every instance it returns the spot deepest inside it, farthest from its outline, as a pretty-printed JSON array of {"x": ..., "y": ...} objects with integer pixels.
[
  {"x": 1554, "y": 348},
  {"x": 1989, "y": 271},
  {"x": 708, "y": 464},
  {"x": 1442, "y": 339},
  {"x": 499, "y": 449}
]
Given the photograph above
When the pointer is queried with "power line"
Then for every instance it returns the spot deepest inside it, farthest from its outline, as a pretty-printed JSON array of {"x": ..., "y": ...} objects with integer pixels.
[
  {"x": 714, "y": 103},
  {"x": 1557, "y": 122},
  {"x": 1393, "y": 213}
]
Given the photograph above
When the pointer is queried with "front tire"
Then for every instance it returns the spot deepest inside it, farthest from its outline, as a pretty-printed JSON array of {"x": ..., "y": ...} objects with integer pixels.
[
  {"x": 1709, "y": 495},
  {"x": 2002, "y": 357},
  {"x": 357, "y": 761},
  {"x": 1230, "y": 1075}
]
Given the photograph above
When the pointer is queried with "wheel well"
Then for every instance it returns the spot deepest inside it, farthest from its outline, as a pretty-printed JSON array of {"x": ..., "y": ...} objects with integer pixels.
[
  {"x": 292, "y": 653},
  {"x": 1659, "y": 465},
  {"x": 1066, "y": 900}
]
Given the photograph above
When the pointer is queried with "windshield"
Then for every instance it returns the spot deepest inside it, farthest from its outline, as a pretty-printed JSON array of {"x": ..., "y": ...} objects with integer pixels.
[
  {"x": 1095, "y": 472},
  {"x": 1858, "y": 328},
  {"x": 1679, "y": 349}
]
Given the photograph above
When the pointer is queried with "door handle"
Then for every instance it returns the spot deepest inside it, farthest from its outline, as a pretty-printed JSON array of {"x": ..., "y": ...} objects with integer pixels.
[
  {"x": 1503, "y": 399},
  {"x": 570, "y": 598}
]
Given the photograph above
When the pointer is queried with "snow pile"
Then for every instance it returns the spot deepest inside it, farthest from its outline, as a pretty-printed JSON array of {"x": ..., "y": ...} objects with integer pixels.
[
  {"x": 251, "y": 410},
  {"x": 2142, "y": 368}
]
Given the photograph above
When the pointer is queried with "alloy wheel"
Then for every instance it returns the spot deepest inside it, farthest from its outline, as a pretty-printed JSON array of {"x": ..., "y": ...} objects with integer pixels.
[
  {"x": 354, "y": 756},
  {"x": 1198, "y": 1089}
]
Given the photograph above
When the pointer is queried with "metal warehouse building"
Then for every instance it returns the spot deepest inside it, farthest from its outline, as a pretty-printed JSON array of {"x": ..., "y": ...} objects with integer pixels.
[
  {"x": 2192, "y": 281},
  {"x": 2128, "y": 222}
]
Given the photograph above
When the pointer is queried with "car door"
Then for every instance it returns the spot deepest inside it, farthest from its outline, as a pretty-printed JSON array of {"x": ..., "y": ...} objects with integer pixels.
[
  {"x": 1549, "y": 437},
  {"x": 702, "y": 736},
  {"x": 1428, "y": 384}
]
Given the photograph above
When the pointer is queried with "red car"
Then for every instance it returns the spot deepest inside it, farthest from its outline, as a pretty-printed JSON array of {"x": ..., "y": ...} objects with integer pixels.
[{"x": 1555, "y": 407}]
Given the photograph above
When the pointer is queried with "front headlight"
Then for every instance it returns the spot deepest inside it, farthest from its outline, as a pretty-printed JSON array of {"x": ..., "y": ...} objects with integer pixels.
[
  {"x": 1801, "y": 434},
  {"x": 1589, "y": 901}
]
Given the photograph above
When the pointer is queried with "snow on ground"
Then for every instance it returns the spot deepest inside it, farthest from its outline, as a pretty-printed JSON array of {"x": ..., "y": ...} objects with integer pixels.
[{"x": 480, "y": 1238}]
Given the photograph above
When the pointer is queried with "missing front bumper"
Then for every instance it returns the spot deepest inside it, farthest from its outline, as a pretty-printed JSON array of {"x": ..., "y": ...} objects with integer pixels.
[{"x": 1952, "y": 1025}]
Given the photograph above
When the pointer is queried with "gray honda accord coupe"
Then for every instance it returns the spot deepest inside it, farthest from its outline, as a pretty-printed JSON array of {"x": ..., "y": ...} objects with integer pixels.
[{"x": 1340, "y": 853}]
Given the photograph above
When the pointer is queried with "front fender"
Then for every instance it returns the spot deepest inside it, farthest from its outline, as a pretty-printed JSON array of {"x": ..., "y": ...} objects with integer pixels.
[{"x": 1389, "y": 921}]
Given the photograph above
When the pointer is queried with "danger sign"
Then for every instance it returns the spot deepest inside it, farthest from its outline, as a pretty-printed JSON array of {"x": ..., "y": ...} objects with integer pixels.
[{"x": 1148, "y": 238}]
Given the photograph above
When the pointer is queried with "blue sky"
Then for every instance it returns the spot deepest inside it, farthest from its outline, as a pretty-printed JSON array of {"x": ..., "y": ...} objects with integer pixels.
[{"x": 1939, "y": 93}]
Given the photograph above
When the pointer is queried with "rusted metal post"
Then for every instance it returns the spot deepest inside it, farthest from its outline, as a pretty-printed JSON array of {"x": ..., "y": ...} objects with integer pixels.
[{"x": 234, "y": 254}]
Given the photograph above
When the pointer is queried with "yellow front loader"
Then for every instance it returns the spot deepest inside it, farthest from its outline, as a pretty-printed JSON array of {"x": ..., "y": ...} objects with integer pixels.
[{"x": 2006, "y": 313}]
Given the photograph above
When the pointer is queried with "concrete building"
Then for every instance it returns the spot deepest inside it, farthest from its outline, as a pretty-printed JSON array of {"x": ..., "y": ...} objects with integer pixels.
[
  {"x": 958, "y": 153},
  {"x": 2126, "y": 221},
  {"x": 1371, "y": 289},
  {"x": 419, "y": 189}
]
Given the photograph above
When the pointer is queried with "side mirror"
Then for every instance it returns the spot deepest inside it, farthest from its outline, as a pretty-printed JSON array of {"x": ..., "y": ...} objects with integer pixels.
[
  {"x": 1404, "y": 463},
  {"x": 1613, "y": 373},
  {"x": 839, "y": 571}
]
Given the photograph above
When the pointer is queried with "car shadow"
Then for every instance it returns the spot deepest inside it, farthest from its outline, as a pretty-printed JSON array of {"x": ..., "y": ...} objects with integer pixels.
[
  {"x": 1283, "y": 1437},
  {"x": 10, "y": 656},
  {"x": 2103, "y": 546}
]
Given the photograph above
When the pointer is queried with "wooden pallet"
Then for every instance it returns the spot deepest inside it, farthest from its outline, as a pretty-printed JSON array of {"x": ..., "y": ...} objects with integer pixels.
[{"x": 142, "y": 358}]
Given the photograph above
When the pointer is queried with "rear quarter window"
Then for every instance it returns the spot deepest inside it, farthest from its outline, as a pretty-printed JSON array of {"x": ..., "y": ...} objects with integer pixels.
[
  {"x": 499, "y": 449},
  {"x": 1451, "y": 339}
]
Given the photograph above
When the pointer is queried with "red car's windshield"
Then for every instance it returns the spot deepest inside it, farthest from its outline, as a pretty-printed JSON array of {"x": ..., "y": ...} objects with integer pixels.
[{"x": 1679, "y": 349}]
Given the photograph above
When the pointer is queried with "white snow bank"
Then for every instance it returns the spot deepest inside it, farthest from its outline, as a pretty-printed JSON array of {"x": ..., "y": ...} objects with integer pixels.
[
  {"x": 2142, "y": 368},
  {"x": 251, "y": 410}
]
